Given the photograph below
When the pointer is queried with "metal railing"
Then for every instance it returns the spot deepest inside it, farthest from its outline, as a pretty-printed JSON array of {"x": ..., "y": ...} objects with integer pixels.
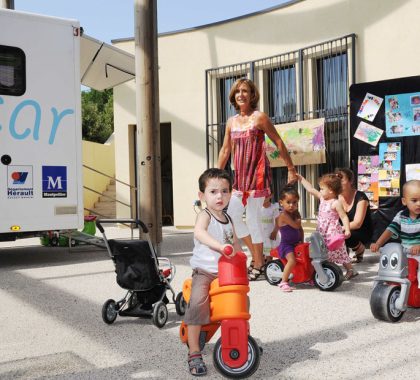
[{"x": 130, "y": 205}]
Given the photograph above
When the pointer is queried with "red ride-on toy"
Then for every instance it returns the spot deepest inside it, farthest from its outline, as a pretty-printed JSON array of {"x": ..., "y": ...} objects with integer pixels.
[
  {"x": 236, "y": 353},
  {"x": 311, "y": 265}
]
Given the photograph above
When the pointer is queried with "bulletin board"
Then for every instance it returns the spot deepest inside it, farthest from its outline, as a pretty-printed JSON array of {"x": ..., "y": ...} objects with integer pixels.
[{"x": 375, "y": 139}]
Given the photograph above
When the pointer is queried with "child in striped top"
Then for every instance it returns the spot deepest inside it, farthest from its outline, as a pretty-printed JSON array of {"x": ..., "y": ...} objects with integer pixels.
[{"x": 406, "y": 224}]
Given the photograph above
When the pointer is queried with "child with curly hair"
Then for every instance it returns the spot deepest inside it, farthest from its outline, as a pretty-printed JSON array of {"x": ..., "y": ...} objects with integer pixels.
[{"x": 329, "y": 214}]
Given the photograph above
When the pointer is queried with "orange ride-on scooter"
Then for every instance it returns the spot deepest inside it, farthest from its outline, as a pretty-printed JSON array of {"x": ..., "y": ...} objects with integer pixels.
[{"x": 236, "y": 353}]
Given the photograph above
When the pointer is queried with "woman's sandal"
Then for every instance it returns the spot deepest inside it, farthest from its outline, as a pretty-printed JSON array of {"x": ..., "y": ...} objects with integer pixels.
[
  {"x": 196, "y": 364},
  {"x": 358, "y": 253},
  {"x": 251, "y": 266},
  {"x": 255, "y": 274}
]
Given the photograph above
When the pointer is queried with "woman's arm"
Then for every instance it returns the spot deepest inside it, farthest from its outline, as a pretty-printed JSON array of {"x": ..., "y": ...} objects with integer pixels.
[
  {"x": 343, "y": 216},
  {"x": 360, "y": 214},
  {"x": 267, "y": 126},
  {"x": 308, "y": 186},
  {"x": 224, "y": 153}
]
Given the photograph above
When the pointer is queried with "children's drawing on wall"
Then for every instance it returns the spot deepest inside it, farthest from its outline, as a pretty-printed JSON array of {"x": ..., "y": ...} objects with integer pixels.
[
  {"x": 389, "y": 169},
  {"x": 402, "y": 114},
  {"x": 367, "y": 179},
  {"x": 412, "y": 171},
  {"x": 369, "y": 107},
  {"x": 368, "y": 133},
  {"x": 303, "y": 139}
]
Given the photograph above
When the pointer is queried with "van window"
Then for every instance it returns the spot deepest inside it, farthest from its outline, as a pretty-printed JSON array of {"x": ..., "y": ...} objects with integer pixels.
[{"x": 12, "y": 71}]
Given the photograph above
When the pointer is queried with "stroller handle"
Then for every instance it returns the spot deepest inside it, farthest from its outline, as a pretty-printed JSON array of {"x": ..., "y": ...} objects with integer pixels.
[{"x": 137, "y": 222}]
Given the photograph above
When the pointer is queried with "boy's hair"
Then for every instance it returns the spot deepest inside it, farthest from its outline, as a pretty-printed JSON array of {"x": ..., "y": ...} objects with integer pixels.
[
  {"x": 213, "y": 173},
  {"x": 347, "y": 172},
  {"x": 412, "y": 182},
  {"x": 333, "y": 182},
  {"x": 254, "y": 95},
  {"x": 288, "y": 190}
]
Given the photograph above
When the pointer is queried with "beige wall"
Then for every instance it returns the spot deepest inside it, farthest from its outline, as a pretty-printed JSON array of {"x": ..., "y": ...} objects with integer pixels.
[
  {"x": 102, "y": 158},
  {"x": 386, "y": 43}
]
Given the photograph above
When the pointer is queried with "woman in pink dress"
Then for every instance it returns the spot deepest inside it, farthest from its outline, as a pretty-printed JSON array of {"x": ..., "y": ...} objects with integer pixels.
[
  {"x": 329, "y": 214},
  {"x": 245, "y": 140}
]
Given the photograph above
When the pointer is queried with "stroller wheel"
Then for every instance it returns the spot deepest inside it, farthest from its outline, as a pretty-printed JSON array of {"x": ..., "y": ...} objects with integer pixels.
[
  {"x": 180, "y": 304},
  {"x": 160, "y": 314},
  {"x": 109, "y": 312}
]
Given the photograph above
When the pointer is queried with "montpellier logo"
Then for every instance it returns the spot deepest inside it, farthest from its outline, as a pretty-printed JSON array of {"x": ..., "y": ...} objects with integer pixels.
[{"x": 54, "y": 182}]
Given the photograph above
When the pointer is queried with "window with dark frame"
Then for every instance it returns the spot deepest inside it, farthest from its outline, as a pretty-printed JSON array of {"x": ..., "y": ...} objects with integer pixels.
[
  {"x": 282, "y": 96},
  {"x": 12, "y": 71}
]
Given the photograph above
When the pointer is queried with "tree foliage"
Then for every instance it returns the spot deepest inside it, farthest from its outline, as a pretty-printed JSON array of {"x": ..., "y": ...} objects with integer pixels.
[{"x": 97, "y": 115}]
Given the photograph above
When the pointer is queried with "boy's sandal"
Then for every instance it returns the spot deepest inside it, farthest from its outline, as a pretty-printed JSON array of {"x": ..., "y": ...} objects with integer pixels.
[
  {"x": 196, "y": 364},
  {"x": 255, "y": 274}
]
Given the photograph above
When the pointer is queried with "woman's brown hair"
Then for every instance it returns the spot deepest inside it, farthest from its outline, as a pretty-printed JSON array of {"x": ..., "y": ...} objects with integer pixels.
[
  {"x": 347, "y": 173},
  {"x": 255, "y": 95}
]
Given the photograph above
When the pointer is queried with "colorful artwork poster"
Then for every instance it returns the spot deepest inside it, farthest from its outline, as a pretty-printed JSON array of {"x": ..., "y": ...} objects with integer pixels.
[
  {"x": 412, "y": 171},
  {"x": 402, "y": 114},
  {"x": 370, "y": 107},
  {"x": 368, "y": 133},
  {"x": 389, "y": 169},
  {"x": 367, "y": 178},
  {"x": 303, "y": 139}
]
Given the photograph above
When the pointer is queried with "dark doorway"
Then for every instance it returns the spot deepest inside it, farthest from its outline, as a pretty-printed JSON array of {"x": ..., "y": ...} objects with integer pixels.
[{"x": 166, "y": 174}]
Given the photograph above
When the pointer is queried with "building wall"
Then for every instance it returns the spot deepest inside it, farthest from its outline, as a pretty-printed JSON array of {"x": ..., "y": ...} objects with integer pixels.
[
  {"x": 100, "y": 157},
  {"x": 386, "y": 43}
]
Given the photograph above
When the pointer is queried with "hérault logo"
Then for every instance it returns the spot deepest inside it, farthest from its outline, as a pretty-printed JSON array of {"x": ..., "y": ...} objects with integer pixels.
[
  {"x": 54, "y": 181},
  {"x": 20, "y": 181}
]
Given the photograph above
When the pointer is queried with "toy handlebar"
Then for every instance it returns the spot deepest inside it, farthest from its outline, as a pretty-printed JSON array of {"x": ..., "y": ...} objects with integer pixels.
[
  {"x": 137, "y": 222},
  {"x": 228, "y": 250}
]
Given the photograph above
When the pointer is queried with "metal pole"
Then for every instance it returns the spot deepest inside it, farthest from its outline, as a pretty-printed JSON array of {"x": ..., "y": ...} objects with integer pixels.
[
  {"x": 147, "y": 109},
  {"x": 8, "y": 4}
]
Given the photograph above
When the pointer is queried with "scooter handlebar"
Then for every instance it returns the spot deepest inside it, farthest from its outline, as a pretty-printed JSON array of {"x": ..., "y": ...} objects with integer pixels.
[{"x": 228, "y": 250}]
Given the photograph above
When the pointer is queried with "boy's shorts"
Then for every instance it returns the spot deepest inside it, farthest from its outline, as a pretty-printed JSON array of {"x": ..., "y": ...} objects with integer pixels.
[{"x": 198, "y": 309}]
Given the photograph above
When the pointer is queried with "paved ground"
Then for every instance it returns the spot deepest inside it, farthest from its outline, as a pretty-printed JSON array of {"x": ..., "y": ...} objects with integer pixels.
[{"x": 51, "y": 324}]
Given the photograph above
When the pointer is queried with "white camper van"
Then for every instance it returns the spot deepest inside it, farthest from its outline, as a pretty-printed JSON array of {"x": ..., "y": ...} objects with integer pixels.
[{"x": 40, "y": 125}]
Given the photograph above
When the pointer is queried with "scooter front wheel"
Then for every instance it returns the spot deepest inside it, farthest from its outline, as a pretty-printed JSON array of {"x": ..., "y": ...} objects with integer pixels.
[
  {"x": 250, "y": 366},
  {"x": 274, "y": 272},
  {"x": 382, "y": 302},
  {"x": 334, "y": 274}
]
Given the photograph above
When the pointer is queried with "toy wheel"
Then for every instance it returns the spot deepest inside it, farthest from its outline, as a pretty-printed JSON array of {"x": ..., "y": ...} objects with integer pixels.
[
  {"x": 109, "y": 312},
  {"x": 54, "y": 241},
  {"x": 73, "y": 243},
  {"x": 335, "y": 277},
  {"x": 180, "y": 304},
  {"x": 250, "y": 366},
  {"x": 382, "y": 302},
  {"x": 160, "y": 314},
  {"x": 274, "y": 272}
]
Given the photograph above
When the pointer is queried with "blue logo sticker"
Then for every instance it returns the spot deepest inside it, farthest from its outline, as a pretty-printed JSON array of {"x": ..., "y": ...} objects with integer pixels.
[{"x": 54, "y": 181}]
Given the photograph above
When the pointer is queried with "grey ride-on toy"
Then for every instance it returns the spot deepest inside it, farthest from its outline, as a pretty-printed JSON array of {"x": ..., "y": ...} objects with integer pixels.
[{"x": 396, "y": 286}]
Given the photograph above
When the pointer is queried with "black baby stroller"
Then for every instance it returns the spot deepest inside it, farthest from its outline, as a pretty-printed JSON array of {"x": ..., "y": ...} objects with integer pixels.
[{"x": 145, "y": 277}]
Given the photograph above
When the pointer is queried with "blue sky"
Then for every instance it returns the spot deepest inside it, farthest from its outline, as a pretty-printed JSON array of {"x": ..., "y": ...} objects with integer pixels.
[{"x": 111, "y": 19}]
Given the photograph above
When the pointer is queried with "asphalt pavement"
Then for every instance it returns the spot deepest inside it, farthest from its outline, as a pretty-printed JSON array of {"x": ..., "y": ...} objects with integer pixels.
[{"x": 51, "y": 325}]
